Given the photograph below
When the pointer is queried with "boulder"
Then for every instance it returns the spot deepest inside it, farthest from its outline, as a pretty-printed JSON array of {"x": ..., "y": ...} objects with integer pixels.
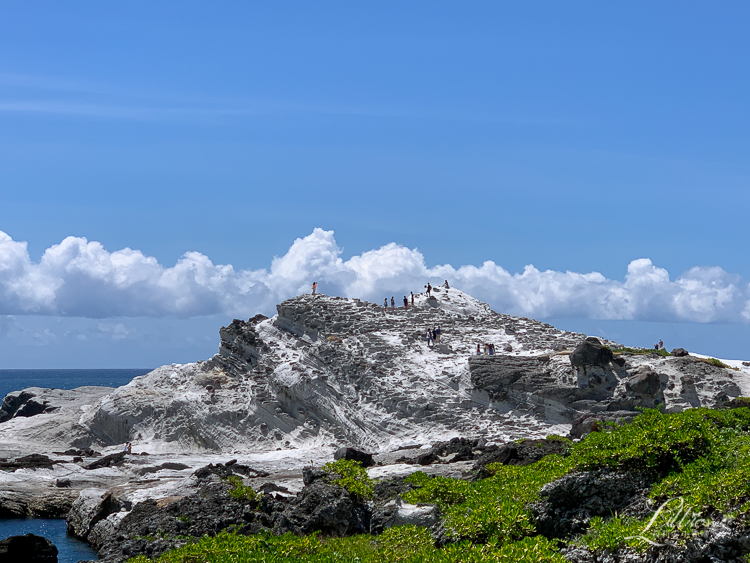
[
  {"x": 591, "y": 352},
  {"x": 27, "y": 549},
  {"x": 354, "y": 454},
  {"x": 326, "y": 508},
  {"x": 91, "y": 506},
  {"x": 567, "y": 505},
  {"x": 496, "y": 374},
  {"x": 679, "y": 352}
]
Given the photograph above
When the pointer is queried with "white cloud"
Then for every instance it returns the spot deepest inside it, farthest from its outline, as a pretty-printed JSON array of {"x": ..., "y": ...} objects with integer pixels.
[{"x": 81, "y": 278}]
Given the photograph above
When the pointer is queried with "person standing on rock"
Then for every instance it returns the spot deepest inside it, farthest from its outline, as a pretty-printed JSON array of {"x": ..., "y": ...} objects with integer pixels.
[
  {"x": 661, "y": 344},
  {"x": 429, "y": 289},
  {"x": 479, "y": 353},
  {"x": 315, "y": 286},
  {"x": 445, "y": 285},
  {"x": 406, "y": 303},
  {"x": 412, "y": 298},
  {"x": 437, "y": 334},
  {"x": 385, "y": 303},
  {"x": 434, "y": 335},
  {"x": 393, "y": 302}
]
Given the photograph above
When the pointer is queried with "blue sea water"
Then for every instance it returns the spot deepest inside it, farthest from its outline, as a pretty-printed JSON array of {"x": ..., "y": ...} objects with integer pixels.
[
  {"x": 16, "y": 379},
  {"x": 70, "y": 549}
]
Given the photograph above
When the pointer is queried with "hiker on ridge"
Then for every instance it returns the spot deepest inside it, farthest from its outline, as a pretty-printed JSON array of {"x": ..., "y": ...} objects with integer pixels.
[
  {"x": 412, "y": 298},
  {"x": 429, "y": 289},
  {"x": 385, "y": 303},
  {"x": 393, "y": 302},
  {"x": 315, "y": 286},
  {"x": 406, "y": 303}
]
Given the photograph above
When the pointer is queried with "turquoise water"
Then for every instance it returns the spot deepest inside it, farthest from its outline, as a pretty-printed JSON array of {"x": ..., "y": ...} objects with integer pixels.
[
  {"x": 16, "y": 379},
  {"x": 70, "y": 550}
]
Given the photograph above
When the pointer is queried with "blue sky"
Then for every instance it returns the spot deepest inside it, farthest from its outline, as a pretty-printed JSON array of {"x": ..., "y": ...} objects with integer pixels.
[{"x": 572, "y": 136}]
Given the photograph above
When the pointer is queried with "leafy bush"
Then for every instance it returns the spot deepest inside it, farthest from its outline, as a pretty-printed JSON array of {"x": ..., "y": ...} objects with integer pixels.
[
  {"x": 493, "y": 509},
  {"x": 239, "y": 490},
  {"x": 352, "y": 476}
]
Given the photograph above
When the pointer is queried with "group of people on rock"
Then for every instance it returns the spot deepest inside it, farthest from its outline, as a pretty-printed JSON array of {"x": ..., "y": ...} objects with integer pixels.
[
  {"x": 659, "y": 346},
  {"x": 489, "y": 349},
  {"x": 433, "y": 336},
  {"x": 410, "y": 298}
]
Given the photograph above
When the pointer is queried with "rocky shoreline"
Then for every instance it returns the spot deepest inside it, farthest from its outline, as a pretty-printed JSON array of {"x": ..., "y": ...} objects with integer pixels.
[{"x": 284, "y": 394}]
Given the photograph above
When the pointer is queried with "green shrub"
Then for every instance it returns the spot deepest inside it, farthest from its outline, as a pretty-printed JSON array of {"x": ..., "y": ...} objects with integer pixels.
[
  {"x": 239, "y": 490},
  {"x": 352, "y": 476}
]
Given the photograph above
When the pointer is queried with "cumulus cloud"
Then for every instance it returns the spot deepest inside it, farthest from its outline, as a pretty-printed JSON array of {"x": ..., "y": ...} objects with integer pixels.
[{"x": 81, "y": 278}]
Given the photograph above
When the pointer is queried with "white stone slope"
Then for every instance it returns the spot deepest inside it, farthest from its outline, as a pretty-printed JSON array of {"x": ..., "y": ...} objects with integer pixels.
[{"x": 328, "y": 371}]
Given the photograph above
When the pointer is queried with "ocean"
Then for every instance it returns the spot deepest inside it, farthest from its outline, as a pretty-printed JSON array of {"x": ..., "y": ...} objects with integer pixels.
[
  {"x": 17, "y": 379},
  {"x": 70, "y": 549}
]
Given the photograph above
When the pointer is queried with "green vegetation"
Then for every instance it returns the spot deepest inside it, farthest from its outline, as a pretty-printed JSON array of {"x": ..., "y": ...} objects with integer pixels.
[
  {"x": 640, "y": 351},
  {"x": 717, "y": 363},
  {"x": 405, "y": 544},
  {"x": 352, "y": 476},
  {"x": 239, "y": 490},
  {"x": 699, "y": 460}
]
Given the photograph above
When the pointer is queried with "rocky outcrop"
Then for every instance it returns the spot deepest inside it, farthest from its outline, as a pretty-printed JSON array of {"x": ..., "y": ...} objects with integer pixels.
[
  {"x": 567, "y": 505},
  {"x": 37, "y": 400},
  {"x": 27, "y": 549}
]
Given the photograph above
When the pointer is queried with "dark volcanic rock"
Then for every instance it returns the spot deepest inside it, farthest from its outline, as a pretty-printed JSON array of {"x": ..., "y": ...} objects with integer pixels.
[
  {"x": 33, "y": 461},
  {"x": 354, "y": 454},
  {"x": 327, "y": 508},
  {"x": 519, "y": 453},
  {"x": 27, "y": 549},
  {"x": 496, "y": 374},
  {"x": 591, "y": 352},
  {"x": 679, "y": 352},
  {"x": 108, "y": 461},
  {"x": 21, "y": 403},
  {"x": 567, "y": 505},
  {"x": 225, "y": 470}
]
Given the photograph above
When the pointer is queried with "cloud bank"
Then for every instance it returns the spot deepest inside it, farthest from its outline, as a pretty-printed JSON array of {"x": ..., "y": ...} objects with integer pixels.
[{"x": 80, "y": 278}]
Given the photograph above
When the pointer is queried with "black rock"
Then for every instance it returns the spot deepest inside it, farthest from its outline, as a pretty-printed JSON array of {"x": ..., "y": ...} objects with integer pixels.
[
  {"x": 27, "y": 549},
  {"x": 326, "y": 508},
  {"x": 519, "y": 453},
  {"x": 679, "y": 352},
  {"x": 354, "y": 454},
  {"x": 225, "y": 470},
  {"x": 33, "y": 461},
  {"x": 567, "y": 505},
  {"x": 107, "y": 461},
  {"x": 591, "y": 352}
]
